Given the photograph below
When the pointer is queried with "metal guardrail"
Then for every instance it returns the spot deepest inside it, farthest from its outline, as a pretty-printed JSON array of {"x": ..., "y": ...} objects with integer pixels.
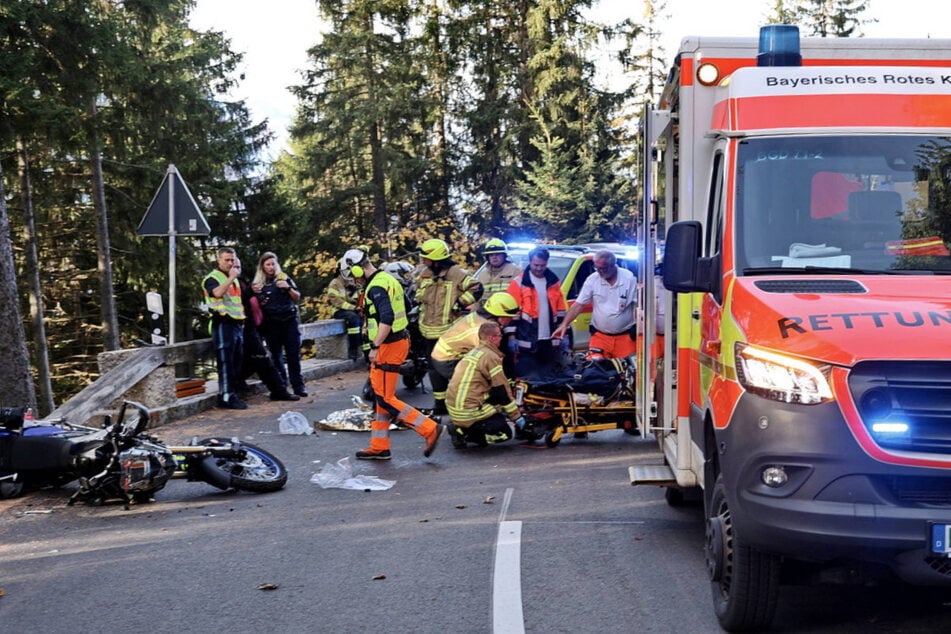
[{"x": 149, "y": 375}]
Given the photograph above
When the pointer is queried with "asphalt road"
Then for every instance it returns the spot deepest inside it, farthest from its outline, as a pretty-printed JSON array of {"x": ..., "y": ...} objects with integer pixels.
[{"x": 505, "y": 539}]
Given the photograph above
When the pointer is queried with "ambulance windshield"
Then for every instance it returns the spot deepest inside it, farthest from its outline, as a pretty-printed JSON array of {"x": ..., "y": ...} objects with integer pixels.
[{"x": 880, "y": 204}]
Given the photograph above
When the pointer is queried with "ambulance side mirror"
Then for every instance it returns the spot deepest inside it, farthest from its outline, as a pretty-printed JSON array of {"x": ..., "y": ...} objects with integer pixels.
[{"x": 685, "y": 271}]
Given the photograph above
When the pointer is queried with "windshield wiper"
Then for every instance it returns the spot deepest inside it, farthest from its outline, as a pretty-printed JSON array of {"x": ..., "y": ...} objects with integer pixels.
[{"x": 835, "y": 270}]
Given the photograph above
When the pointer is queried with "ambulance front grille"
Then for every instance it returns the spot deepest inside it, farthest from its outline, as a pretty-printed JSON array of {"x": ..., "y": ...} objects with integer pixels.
[
  {"x": 918, "y": 490},
  {"x": 913, "y": 395},
  {"x": 810, "y": 286}
]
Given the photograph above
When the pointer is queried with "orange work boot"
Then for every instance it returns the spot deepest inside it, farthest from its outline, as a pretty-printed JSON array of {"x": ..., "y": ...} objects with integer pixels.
[{"x": 432, "y": 441}]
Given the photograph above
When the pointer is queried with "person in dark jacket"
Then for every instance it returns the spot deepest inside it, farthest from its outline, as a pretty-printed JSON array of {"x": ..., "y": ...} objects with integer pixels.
[
  {"x": 256, "y": 359},
  {"x": 279, "y": 296},
  {"x": 542, "y": 309}
]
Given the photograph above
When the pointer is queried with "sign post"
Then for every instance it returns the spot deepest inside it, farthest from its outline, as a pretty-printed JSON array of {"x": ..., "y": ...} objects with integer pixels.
[{"x": 173, "y": 212}]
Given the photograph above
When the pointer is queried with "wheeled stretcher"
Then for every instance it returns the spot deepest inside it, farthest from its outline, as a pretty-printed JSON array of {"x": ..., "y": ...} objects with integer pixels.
[{"x": 600, "y": 396}]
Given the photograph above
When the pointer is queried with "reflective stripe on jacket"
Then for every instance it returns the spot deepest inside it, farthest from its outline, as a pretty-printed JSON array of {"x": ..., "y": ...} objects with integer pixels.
[
  {"x": 394, "y": 294},
  {"x": 440, "y": 295},
  {"x": 526, "y": 324},
  {"x": 497, "y": 281},
  {"x": 229, "y": 304},
  {"x": 462, "y": 336},
  {"x": 343, "y": 295},
  {"x": 476, "y": 374}
]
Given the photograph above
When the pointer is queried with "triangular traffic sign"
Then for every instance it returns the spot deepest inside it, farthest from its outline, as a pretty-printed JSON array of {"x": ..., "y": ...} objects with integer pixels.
[{"x": 187, "y": 218}]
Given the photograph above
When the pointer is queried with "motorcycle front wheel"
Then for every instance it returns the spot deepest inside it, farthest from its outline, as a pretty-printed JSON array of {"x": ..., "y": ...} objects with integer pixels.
[{"x": 258, "y": 471}]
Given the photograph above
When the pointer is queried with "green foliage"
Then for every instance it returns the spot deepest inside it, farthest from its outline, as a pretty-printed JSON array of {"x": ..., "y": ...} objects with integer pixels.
[
  {"x": 457, "y": 120},
  {"x": 826, "y": 18},
  {"x": 158, "y": 88}
]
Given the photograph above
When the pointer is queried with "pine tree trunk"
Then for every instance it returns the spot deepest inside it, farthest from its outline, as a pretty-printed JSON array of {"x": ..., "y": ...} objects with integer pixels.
[
  {"x": 41, "y": 358},
  {"x": 110, "y": 322},
  {"x": 14, "y": 358}
]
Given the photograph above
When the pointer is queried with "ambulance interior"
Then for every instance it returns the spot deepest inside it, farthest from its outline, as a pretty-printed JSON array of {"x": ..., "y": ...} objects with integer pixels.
[{"x": 876, "y": 204}]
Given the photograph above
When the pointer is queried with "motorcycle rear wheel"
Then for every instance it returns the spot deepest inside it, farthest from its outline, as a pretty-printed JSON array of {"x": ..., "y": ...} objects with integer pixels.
[
  {"x": 258, "y": 472},
  {"x": 10, "y": 489}
]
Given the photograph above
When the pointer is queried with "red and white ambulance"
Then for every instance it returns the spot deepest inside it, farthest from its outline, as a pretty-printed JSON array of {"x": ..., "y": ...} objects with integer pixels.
[{"x": 803, "y": 382}]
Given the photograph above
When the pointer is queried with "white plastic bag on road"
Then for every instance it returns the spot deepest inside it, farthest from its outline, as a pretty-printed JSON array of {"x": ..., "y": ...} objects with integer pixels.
[
  {"x": 340, "y": 476},
  {"x": 294, "y": 423}
]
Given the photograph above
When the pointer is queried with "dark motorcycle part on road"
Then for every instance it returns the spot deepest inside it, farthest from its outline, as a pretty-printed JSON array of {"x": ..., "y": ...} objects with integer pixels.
[{"x": 121, "y": 462}]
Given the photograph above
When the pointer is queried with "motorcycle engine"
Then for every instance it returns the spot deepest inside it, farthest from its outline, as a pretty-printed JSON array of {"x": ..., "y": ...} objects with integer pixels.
[{"x": 141, "y": 470}]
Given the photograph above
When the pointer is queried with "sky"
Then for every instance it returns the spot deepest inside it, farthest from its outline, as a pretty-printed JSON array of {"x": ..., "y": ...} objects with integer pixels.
[{"x": 275, "y": 35}]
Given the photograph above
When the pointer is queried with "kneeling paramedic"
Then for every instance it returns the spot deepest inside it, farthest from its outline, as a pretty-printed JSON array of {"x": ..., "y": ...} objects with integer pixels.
[
  {"x": 389, "y": 343},
  {"x": 480, "y": 401}
]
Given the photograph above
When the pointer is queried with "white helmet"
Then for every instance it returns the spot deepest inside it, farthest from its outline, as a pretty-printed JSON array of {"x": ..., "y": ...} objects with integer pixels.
[
  {"x": 402, "y": 271},
  {"x": 351, "y": 264}
]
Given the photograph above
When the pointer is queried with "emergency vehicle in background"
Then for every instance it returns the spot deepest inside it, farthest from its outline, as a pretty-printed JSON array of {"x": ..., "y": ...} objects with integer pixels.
[{"x": 803, "y": 382}]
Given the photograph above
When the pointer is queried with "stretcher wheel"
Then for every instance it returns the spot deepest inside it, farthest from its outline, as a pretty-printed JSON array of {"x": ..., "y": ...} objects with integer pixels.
[{"x": 552, "y": 438}]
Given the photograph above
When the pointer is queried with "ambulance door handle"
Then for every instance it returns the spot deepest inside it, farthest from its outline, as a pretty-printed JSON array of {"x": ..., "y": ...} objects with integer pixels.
[
  {"x": 711, "y": 348},
  {"x": 695, "y": 314}
]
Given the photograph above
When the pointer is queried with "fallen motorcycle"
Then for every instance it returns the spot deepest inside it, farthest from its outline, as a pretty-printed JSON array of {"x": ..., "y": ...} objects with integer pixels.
[{"x": 122, "y": 462}]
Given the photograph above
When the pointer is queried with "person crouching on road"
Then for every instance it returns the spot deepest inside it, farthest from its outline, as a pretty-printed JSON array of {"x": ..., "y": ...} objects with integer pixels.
[
  {"x": 389, "y": 344},
  {"x": 612, "y": 293},
  {"x": 479, "y": 399},
  {"x": 222, "y": 293}
]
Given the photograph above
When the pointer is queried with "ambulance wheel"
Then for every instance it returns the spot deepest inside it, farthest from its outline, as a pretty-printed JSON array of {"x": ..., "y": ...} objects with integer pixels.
[
  {"x": 551, "y": 440},
  {"x": 674, "y": 496},
  {"x": 744, "y": 581}
]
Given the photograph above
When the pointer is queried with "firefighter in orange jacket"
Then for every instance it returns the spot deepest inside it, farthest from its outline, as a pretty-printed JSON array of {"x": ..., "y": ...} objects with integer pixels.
[
  {"x": 389, "y": 343},
  {"x": 542, "y": 309}
]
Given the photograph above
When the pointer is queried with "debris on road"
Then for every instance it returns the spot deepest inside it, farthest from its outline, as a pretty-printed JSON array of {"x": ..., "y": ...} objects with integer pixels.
[{"x": 340, "y": 476}]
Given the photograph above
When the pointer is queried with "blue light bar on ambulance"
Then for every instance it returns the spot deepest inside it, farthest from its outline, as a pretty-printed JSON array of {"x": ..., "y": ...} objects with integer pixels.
[{"x": 779, "y": 46}]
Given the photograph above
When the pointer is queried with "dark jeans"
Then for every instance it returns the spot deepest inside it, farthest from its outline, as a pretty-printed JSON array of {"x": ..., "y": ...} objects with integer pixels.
[
  {"x": 488, "y": 431},
  {"x": 257, "y": 361},
  {"x": 544, "y": 361},
  {"x": 227, "y": 335},
  {"x": 283, "y": 342},
  {"x": 352, "y": 321}
]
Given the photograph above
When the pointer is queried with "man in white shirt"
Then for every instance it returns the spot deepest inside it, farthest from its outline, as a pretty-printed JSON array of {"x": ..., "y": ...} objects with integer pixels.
[{"x": 612, "y": 293}]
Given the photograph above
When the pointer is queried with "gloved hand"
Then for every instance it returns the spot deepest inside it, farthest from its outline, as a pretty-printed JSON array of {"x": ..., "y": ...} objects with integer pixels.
[{"x": 520, "y": 423}]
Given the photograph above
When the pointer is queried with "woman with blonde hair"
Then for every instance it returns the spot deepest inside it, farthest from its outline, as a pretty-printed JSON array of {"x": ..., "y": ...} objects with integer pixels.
[{"x": 278, "y": 296}]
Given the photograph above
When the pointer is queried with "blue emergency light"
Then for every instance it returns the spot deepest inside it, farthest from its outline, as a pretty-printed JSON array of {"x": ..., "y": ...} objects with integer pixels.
[{"x": 779, "y": 46}]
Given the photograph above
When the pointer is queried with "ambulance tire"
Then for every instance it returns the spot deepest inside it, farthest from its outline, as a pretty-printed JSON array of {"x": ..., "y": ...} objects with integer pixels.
[
  {"x": 674, "y": 496},
  {"x": 744, "y": 581}
]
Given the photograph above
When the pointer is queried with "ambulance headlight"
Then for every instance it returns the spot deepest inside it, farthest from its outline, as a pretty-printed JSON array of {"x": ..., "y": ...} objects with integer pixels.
[{"x": 780, "y": 377}]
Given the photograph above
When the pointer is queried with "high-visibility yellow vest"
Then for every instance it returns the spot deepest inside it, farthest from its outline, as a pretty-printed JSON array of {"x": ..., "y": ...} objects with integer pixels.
[
  {"x": 229, "y": 304},
  {"x": 395, "y": 292}
]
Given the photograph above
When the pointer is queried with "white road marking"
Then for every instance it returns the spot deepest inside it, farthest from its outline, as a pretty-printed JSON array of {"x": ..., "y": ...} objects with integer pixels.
[{"x": 507, "y": 615}]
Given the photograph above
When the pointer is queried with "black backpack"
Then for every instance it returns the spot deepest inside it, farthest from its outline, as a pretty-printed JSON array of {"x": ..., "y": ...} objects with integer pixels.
[{"x": 603, "y": 377}]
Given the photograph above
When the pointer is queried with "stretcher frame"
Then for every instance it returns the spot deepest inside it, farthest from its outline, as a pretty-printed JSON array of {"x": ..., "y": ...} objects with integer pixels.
[{"x": 553, "y": 411}]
